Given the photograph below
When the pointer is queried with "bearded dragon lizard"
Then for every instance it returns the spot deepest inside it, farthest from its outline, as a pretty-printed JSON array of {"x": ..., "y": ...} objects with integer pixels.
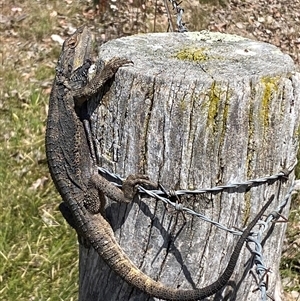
[{"x": 75, "y": 174}]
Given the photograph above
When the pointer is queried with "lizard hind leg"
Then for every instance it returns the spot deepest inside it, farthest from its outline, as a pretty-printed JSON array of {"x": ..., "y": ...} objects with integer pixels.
[
  {"x": 94, "y": 200},
  {"x": 130, "y": 185}
]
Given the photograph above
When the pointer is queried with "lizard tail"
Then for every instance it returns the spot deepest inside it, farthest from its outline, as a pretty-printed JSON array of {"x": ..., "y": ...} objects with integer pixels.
[{"x": 107, "y": 247}]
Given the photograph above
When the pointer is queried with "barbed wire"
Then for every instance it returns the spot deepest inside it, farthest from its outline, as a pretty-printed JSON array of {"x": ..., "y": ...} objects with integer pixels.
[
  {"x": 261, "y": 270},
  {"x": 256, "y": 238},
  {"x": 164, "y": 196},
  {"x": 179, "y": 12},
  {"x": 233, "y": 187}
]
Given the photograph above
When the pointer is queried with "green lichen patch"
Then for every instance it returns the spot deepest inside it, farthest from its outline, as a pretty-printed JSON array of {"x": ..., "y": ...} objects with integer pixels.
[
  {"x": 214, "y": 100},
  {"x": 270, "y": 87},
  {"x": 192, "y": 54},
  {"x": 218, "y": 103}
]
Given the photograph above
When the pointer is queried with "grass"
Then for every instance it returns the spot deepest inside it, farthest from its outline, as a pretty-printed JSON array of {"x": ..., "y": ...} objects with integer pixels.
[
  {"x": 37, "y": 248},
  {"x": 38, "y": 253},
  {"x": 35, "y": 242}
]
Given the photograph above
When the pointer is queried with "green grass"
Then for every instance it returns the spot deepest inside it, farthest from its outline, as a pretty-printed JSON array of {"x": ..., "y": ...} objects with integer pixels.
[{"x": 38, "y": 252}]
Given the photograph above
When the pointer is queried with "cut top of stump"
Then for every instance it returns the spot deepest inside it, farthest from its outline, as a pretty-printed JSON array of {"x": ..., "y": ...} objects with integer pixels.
[{"x": 205, "y": 55}]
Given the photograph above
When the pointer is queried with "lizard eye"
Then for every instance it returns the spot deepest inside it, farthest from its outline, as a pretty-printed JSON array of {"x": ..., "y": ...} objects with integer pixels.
[{"x": 72, "y": 42}]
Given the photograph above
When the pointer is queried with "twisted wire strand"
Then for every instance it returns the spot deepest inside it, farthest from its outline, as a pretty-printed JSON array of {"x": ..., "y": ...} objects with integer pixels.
[{"x": 257, "y": 237}]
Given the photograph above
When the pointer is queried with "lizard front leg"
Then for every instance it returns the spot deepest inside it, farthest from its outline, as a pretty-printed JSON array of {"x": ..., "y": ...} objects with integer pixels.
[{"x": 95, "y": 85}]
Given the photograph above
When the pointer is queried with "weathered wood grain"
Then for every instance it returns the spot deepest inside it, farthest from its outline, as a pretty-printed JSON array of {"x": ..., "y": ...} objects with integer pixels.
[{"x": 195, "y": 110}]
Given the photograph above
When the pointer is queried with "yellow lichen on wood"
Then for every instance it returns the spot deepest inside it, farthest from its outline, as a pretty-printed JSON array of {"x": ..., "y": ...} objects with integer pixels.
[
  {"x": 217, "y": 101},
  {"x": 246, "y": 213},
  {"x": 214, "y": 100},
  {"x": 192, "y": 54},
  {"x": 270, "y": 86}
]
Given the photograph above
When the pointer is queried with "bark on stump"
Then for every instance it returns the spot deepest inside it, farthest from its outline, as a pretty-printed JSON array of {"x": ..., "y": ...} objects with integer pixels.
[{"x": 195, "y": 110}]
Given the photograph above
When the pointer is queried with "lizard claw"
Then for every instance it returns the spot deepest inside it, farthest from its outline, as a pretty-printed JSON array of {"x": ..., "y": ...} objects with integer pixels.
[
  {"x": 129, "y": 186},
  {"x": 117, "y": 62}
]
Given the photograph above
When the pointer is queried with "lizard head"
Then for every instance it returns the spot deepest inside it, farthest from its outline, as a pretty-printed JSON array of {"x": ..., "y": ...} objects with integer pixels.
[{"x": 75, "y": 53}]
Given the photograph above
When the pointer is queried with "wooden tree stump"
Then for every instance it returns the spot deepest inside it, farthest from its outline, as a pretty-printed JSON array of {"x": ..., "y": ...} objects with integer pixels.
[{"x": 196, "y": 110}]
